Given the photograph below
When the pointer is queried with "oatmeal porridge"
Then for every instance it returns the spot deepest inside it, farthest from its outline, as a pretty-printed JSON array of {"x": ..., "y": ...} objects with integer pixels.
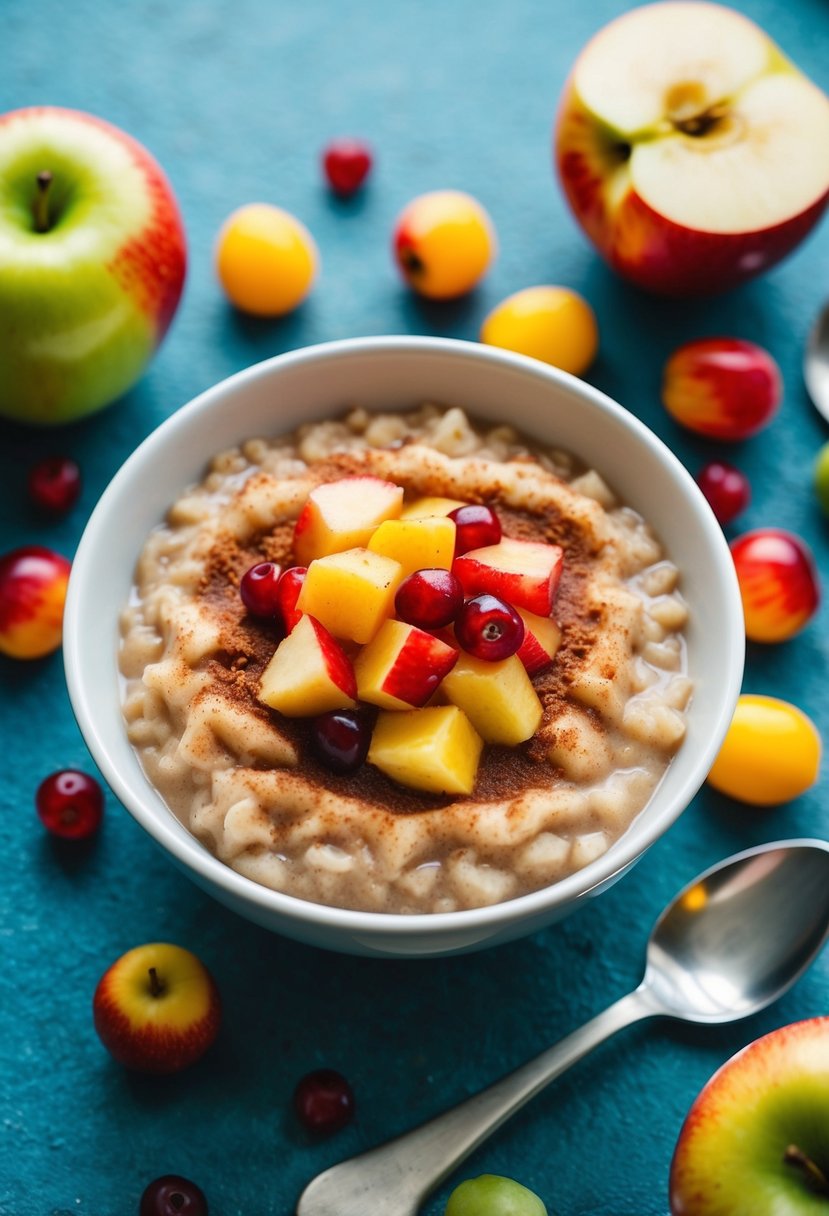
[{"x": 474, "y": 791}]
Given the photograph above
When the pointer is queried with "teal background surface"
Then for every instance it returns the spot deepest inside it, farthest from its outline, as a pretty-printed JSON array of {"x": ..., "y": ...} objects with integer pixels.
[{"x": 236, "y": 100}]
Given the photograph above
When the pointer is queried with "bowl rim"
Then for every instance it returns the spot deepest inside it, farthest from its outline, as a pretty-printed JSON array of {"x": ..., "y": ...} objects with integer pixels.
[{"x": 188, "y": 851}]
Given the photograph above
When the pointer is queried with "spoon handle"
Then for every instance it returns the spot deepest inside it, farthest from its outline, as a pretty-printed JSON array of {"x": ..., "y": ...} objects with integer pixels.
[{"x": 398, "y": 1175}]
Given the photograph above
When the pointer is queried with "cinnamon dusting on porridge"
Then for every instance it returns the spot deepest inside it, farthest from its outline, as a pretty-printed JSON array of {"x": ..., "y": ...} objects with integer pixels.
[{"x": 245, "y": 777}]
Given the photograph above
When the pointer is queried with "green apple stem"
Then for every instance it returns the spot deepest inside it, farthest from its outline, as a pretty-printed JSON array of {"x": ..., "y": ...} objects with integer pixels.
[
  {"x": 41, "y": 203},
  {"x": 156, "y": 986},
  {"x": 814, "y": 1174}
]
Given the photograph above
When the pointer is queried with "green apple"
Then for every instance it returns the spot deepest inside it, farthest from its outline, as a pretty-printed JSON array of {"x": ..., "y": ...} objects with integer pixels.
[
  {"x": 756, "y": 1140},
  {"x": 92, "y": 263},
  {"x": 492, "y": 1195}
]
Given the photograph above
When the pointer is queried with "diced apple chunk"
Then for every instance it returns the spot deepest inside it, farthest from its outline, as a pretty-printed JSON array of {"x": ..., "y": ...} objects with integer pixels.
[
  {"x": 418, "y": 544},
  {"x": 402, "y": 666},
  {"x": 542, "y": 638},
  {"x": 309, "y": 674},
  {"x": 423, "y": 508},
  {"x": 435, "y": 749},
  {"x": 498, "y": 698},
  {"x": 525, "y": 573},
  {"x": 351, "y": 593},
  {"x": 342, "y": 515}
]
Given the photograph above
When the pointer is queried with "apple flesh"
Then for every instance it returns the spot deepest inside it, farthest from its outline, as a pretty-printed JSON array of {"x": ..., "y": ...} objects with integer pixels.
[
  {"x": 92, "y": 263},
  {"x": 340, "y": 515},
  {"x": 309, "y": 674},
  {"x": 402, "y": 666},
  {"x": 33, "y": 583},
  {"x": 524, "y": 573},
  {"x": 692, "y": 152},
  {"x": 756, "y": 1140},
  {"x": 157, "y": 1008}
]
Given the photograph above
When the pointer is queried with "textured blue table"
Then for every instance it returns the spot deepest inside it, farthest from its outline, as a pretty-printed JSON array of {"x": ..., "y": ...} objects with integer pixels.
[{"x": 236, "y": 100}]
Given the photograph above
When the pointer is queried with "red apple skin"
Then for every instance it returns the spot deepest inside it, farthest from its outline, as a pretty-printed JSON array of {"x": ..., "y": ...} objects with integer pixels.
[
  {"x": 157, "y": 1033},
  {"x": 287, "y": 594},
  {"x": 724, "y": 388},
  {"x": 33, "y": 583},
  {"x": 729, "y": 1158},
  {"x": 421, "y": 664},
  {"x": 532, "y": 591},
  {"x": 778, "y": 582},
  {"x": 645, "y": 247},
  {"x": 337, "y": 662}
]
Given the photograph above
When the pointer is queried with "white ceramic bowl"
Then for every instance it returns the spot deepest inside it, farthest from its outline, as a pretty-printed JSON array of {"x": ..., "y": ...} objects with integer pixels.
[{"x": 396, "y": 373}]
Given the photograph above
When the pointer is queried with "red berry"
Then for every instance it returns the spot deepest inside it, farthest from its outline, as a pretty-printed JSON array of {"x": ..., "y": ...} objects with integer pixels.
[
  {"x": 489, "y": 628},
  {"x": 477, "y": 526},
  {"x": 55, "y": 483},
  {"x": 341, "y": 740},
  {"x": 287, "y": 594},
  {"x": 429, "y": 598},
  {"x": 258, "y": 589},
  {"x": 172, "y": 1195},
  {"x": 347, "y": 163},
  {"x": 726, "y": 488},
  {"x": 70, "y": 804},
  {"x": 324, "y": 1101}
]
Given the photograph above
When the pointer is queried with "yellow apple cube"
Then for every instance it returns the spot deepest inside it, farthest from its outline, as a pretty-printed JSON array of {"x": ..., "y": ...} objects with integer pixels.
[
  {"x": 434, "y": 749},
  {"x": 340, "y": 515},
  {"x": 309, "y": 674},
  {"x": 418, "y": 544},
  {"x": 351, "y": 593},
  {"x": 498, "y": 698},
  {"x": 422, "y": 508},
  {"x": 402, "y": 666}
]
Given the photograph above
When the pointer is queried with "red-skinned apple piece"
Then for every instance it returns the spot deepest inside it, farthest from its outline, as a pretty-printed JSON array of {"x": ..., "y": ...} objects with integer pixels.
[
  {"x": 287, "y": 594},
  {"x": 33, "y": 583},
  {"x": 725, "y": 388},
  {"x": 157, "y": 1008},
  {"x": 402, "y": 666},
  {"x": 309, "y": 674},
  {"x": 542, "y": 638},
  {"x": 755, "y": 1140},
  {"x": 524, "y": 573},
  {"x": 778, "y": 582},
  {"x": 92, "y": 262},
  {"x": 340, "y": 515},
  {"x": 691, "y": 151}
]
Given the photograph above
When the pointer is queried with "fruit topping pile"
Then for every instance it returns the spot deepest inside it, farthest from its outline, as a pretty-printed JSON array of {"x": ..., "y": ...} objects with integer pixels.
[{"x": 421, "y": 610}]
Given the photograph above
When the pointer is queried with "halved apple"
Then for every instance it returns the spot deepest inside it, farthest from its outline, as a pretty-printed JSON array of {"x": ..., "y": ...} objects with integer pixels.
[
  {"x": 341, "y": 515},
  {"x": 693, "y": 153}
]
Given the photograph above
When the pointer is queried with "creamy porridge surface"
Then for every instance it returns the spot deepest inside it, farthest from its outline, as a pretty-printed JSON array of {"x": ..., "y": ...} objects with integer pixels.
[{"x": 242, "y": 777}]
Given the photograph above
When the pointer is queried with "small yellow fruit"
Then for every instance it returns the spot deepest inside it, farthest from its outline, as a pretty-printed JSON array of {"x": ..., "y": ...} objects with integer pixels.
[
  {"x": 553, "y": 324},
  {"x": 770, "y": 754},
  {"x": 266, "y": 260},
  {"x": 444, "y": 243}
]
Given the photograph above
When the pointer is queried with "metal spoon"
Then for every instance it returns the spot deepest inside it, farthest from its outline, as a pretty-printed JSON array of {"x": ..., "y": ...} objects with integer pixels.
[
  {"x": 729, "y": 944},
  {"x": 816, "y": 363}
]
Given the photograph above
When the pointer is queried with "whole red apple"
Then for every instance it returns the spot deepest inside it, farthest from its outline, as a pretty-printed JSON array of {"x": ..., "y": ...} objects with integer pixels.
[
  {"x": 692, "y": 152},
  {"x": 92, "y": 263},
  {"x": 779, "y": 583},
  {"x": 756, "y": 1140},
  {"x": 33, "y": 583},
  {"x": 157, "y": 1008}
]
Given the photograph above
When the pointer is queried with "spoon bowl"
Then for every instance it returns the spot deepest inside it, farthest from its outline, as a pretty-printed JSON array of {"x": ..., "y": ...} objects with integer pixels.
[{"x": 731, "y": 942}]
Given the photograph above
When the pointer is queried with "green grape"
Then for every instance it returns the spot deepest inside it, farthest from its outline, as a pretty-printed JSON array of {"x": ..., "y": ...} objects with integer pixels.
[{"x": 491, "y": 1195}]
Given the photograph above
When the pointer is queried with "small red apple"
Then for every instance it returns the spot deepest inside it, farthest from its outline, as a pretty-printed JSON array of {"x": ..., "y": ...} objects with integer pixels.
[
  {"x": 755, "y": 1141},
  {"x": 778, "y": 582},
  {"x": 725, "y": 388},
  {"x": 157, "y": 1008},
  {"x": 33, "y": 583}
]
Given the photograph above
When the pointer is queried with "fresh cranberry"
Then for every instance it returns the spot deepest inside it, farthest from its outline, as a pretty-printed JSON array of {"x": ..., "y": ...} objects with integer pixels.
[
  {"x": 287, "y": 594},
  {"x": 347, "y": 163},
  {"x": 324, "y": 1101},
  {"x": 476, "y": 526},
  {"x": 341, "y": 740},
  {"x": 70, "y": 804},
  {"x": 726, "y": 488},
  {"x": 429, "y": 598},
  {"x": 258, "y": 589},
  {"x": 171, "y": 1195},
  {"x": 54, "y": 484},
  {"x": 489, "y": 628}
]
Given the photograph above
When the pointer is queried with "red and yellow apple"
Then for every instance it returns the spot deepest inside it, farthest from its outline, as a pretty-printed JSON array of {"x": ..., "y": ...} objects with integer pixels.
[
  {"x": 525, "y": 573},
  {"x": 309, "y": 673},
  {"x": 692, "y": 152},
  {"x": 92, "y": 263},
  {"x": 157, "y": 1008},
  {"x": 725, "y": 388},
  {"x": 33, "y": 583},
  {"x": 778, "y": 581},
  {"x": 756, "y": 1140}
]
